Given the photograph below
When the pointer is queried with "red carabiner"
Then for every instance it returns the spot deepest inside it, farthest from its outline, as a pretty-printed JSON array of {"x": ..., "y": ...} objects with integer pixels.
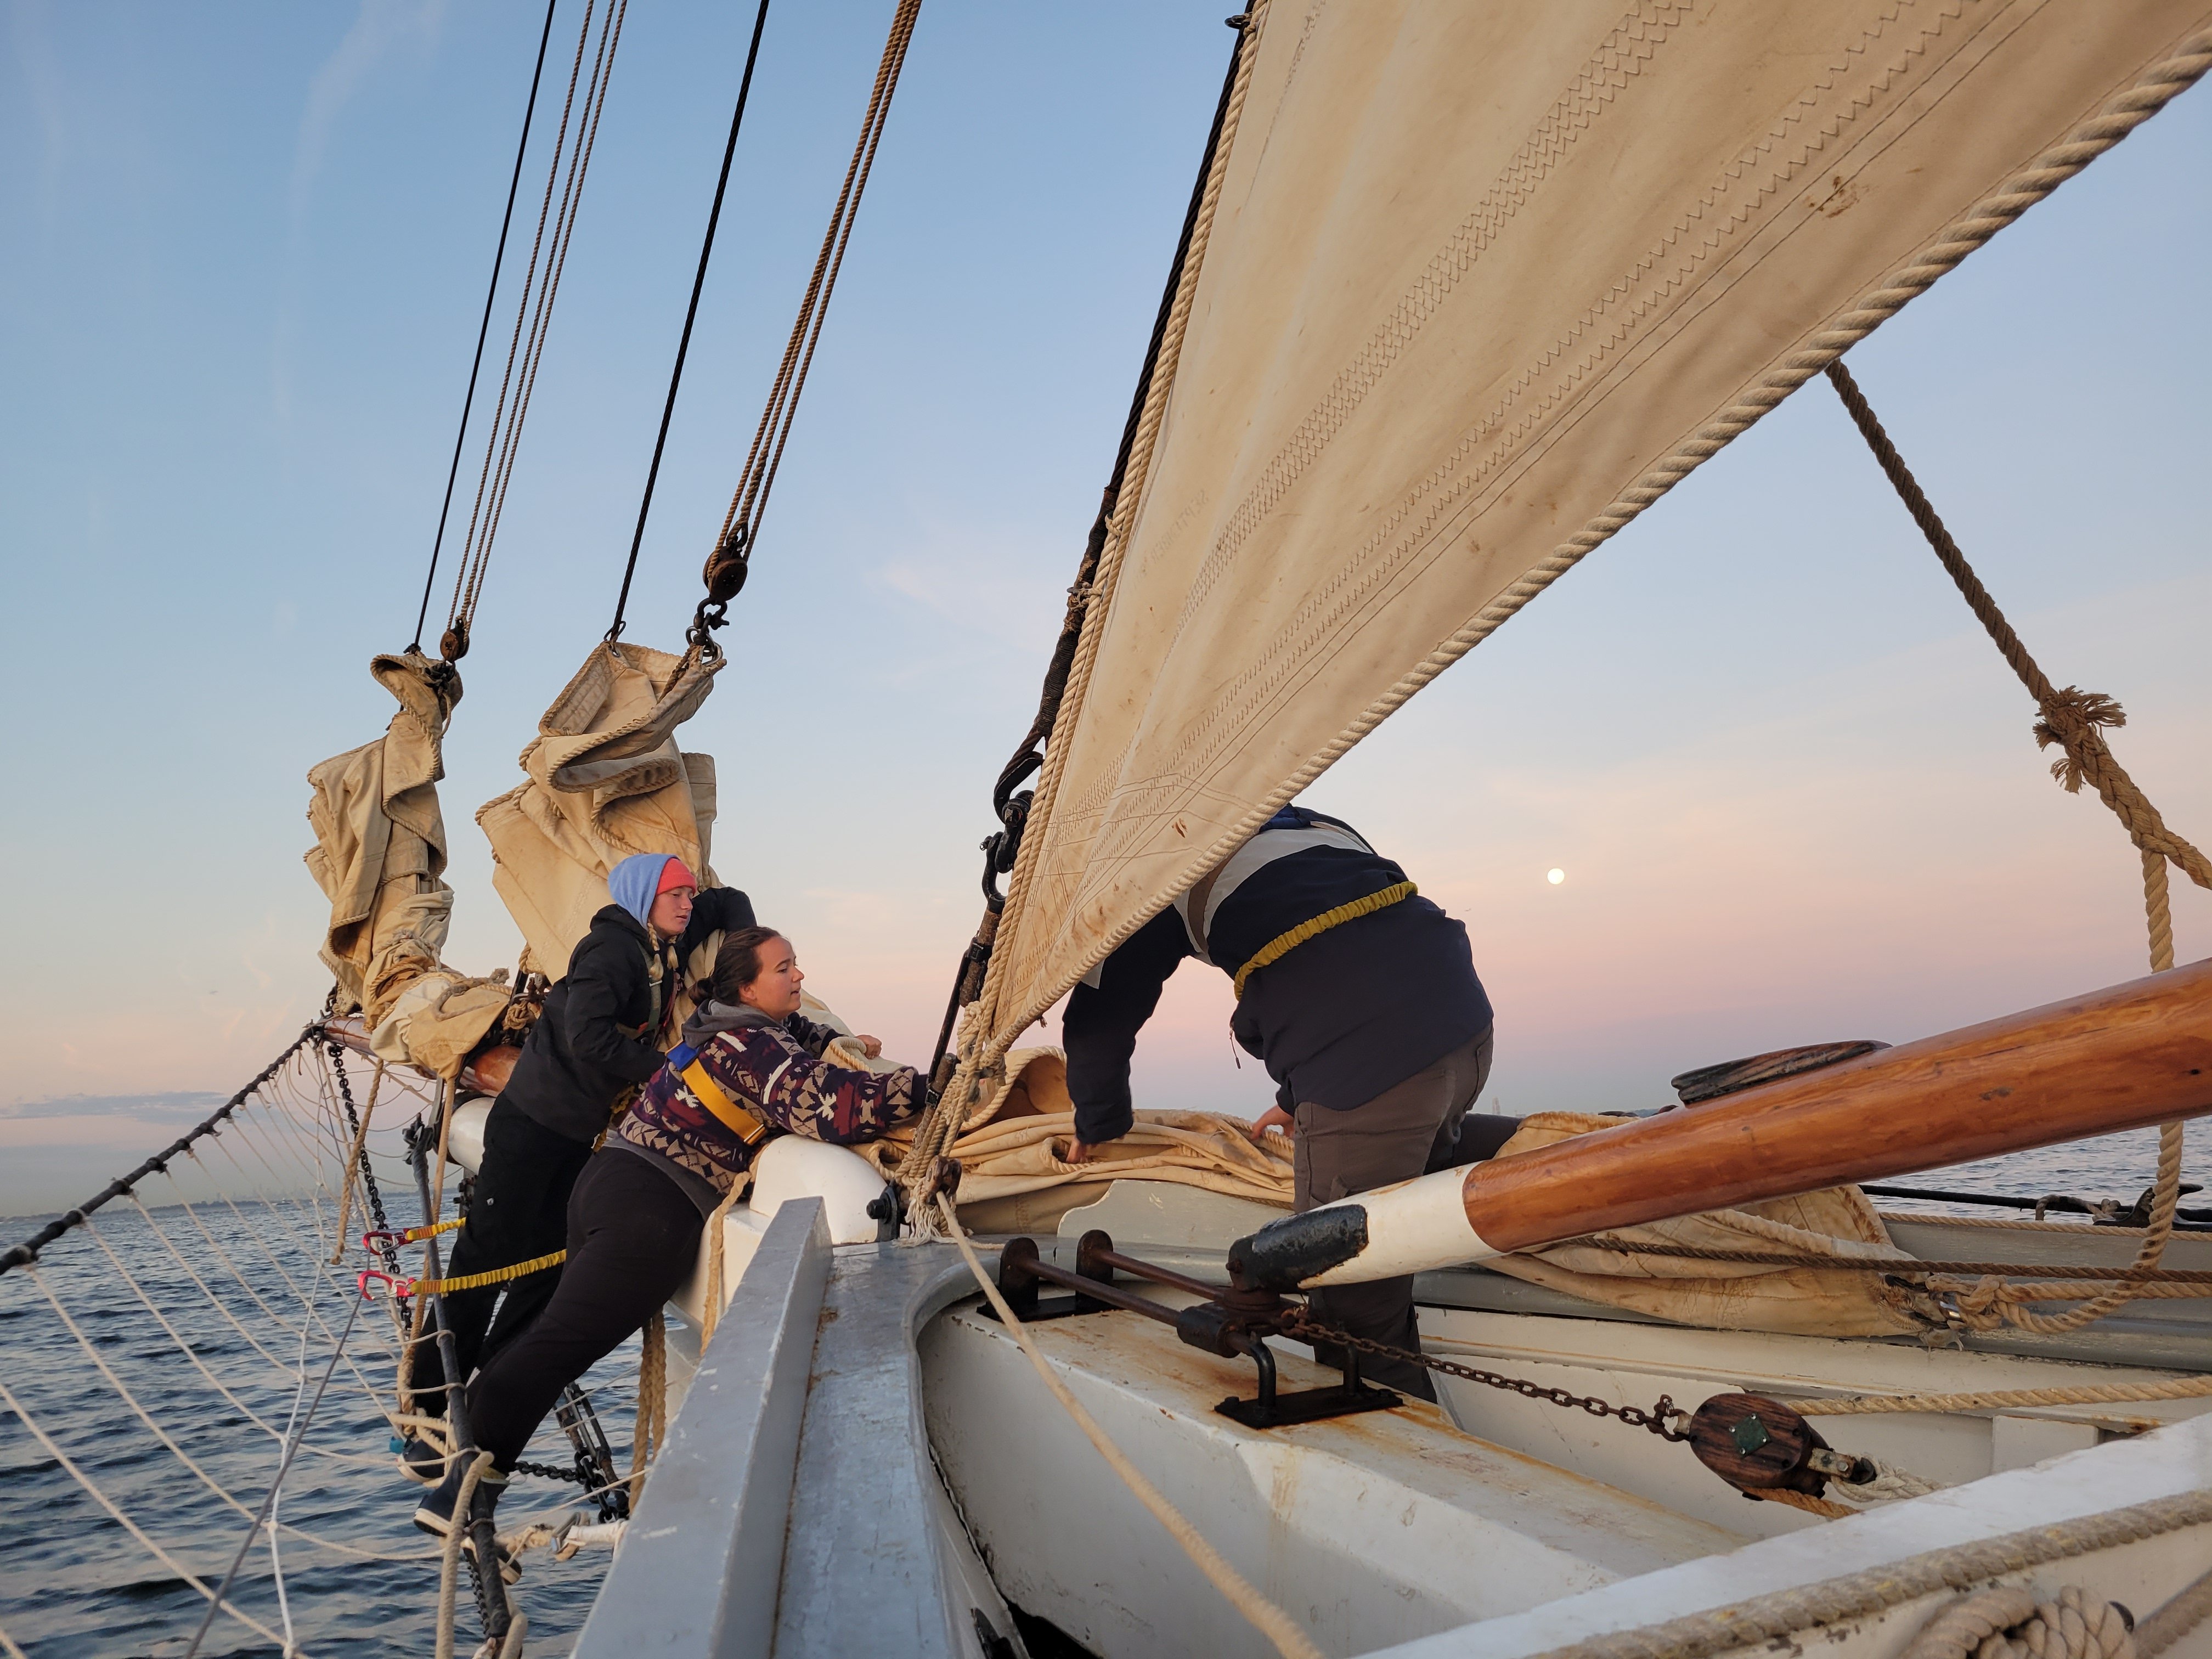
[
  {"x": 391, "y": 1239},
  {"x": 394, "y": 1284}
]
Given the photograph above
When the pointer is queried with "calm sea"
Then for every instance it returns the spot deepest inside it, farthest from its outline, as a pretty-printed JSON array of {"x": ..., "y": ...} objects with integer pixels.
[{"x": 73, "y": 1581}]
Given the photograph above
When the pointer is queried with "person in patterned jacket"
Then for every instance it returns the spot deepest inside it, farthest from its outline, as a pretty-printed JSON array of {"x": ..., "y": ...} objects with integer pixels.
[{"x": 750, "y": 1066}]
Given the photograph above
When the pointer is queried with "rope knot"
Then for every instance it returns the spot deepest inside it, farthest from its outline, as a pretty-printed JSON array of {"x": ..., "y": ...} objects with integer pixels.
[{"x": 2073, "y": 719}]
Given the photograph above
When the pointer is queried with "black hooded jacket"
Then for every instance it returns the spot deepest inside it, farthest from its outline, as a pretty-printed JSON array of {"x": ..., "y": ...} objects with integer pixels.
[{"x": 600, "y": 1030}]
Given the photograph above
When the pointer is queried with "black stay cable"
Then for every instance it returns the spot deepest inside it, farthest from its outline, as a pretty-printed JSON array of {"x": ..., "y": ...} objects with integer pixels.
[
  {"x": 690, "y": 316},
  {"x": 483, "y": 329}
]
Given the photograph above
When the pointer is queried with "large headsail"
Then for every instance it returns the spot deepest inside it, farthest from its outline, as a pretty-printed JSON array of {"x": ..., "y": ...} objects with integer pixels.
[{"x": 1478, "y": 284}]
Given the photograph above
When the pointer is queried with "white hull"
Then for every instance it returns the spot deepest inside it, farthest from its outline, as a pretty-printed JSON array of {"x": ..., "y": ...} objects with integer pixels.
[{"x": 861, "y": 1426}]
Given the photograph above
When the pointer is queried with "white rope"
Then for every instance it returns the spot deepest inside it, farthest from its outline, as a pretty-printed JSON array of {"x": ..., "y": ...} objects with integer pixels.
[
  {"x": 1270, "y": 1621},
  {"x": 130, "y": 1526}
]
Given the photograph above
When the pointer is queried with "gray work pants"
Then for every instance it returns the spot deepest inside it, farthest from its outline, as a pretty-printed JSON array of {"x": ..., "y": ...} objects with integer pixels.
[{"x": 1403, "y": 1131}]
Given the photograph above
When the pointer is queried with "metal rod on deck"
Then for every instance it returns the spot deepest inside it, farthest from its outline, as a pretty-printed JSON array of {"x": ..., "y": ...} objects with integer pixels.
[
  {"x": 1097, "y": 1290},
  {"x": 1089, "y": 1255}
]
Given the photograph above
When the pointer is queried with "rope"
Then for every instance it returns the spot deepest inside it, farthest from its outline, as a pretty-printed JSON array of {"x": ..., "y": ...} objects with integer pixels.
[
  {"x": 2199, "y": 1278},
  {"x": 726, "y": 565},
  {"x": 490, "y": 1276},
  {"x": 2075, "y": 720},
  {"x": 268, "y": 1502},
  {"x": 2007, "y": 1622},
  {"x": 536, "y": 306},
  {"x": 2117, "y": 117},
  {"x": 652, "y": 1403},
  {"x": 449, "y": 1561},
  {"x": 24, "y": 1254},
  {"x": 1270, "y": 1621},
  {"x": 940, "y": 1124},
  {"x": 1283, "y": 944},
  {"x": 691, "y": 315},
  {"x": 2179, "y": 1616},
  {"x": 2086, "y": 1394},
  {"x": 717, "y": 1235},
  {"x": 468, "y": 400},
  {"x": 175, "y": 1566},
  {"x": 2072, "y": 719},
  {"x": 1781, "y": 1612}
]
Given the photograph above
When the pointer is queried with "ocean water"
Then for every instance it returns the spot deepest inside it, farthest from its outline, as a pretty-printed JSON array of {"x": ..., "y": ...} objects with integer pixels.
[
  {"x": 73, "y": 1581},
  {"x": 239, "y": 1286}
]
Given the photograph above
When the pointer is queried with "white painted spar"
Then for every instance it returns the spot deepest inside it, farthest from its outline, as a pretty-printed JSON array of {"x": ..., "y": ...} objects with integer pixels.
[{"x": 1411, "y": 1227}]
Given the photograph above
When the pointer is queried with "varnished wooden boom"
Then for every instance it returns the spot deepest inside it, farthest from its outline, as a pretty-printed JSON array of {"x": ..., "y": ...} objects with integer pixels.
[{"x": 2119, "y": 1059}]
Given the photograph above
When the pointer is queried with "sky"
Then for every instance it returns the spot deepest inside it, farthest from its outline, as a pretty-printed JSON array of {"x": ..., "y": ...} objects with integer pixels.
[{"x": 1790, "y": 784}]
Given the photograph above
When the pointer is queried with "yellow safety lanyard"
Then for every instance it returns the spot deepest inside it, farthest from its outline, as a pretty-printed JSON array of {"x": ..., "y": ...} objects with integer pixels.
[{"x": 733, "y": 1117}]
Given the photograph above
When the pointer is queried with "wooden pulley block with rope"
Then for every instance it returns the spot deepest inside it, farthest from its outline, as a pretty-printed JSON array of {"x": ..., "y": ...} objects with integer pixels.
[
  {"x": 726, "y": 572},
  {"x": 1757, "y": 1444},
  {"x": 453, "y": 643}
]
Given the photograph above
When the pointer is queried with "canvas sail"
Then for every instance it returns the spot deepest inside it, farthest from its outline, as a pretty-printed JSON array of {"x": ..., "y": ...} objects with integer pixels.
[
  {"x": 379, "y": 852},
  {"x": 606, "y": 780},
  {"x": 1476, "y": 284}
]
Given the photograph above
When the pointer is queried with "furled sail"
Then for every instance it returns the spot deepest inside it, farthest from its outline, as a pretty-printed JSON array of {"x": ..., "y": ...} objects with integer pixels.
[
  {"x": 1472, "y": 286},
  {"x": 606, "y": 780},
  {"x": 380, "y": 850}
]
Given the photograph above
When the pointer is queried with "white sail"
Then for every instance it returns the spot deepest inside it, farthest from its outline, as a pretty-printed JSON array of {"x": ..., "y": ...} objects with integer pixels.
[{"x": 1481, "y": 283}]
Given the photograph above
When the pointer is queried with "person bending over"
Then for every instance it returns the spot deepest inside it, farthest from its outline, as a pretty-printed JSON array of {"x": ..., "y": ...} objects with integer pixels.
[
  {"x": 750, "y": 1068},
  {"x": 602, "y": 1033},
  {"x": 1358, "y": 996}
]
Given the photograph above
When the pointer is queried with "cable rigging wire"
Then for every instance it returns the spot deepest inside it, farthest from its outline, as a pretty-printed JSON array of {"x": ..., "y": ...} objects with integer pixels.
[
  {"x": 691, "y": 315},
  {"x": 725, "y": 568},
  {"x": 535, "y": 311},
  {"x": 468, "y": 400}
]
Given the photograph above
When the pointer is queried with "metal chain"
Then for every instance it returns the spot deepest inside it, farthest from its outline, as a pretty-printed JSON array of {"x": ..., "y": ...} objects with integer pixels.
[
  {"x": 554, "y": 1472},
  {"x": 1660, "y": 1419},
  {"x": 353, "y": 1128}
]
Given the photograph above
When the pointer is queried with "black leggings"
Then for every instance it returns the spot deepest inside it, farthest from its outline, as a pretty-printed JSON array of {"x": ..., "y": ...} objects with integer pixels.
[
  {"x": 633, "y": 1239},
  {"x": 518, "y": 1212}
]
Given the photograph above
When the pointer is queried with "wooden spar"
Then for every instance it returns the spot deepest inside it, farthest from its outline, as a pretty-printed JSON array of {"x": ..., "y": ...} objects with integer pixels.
[{"x": 2132, "y": 1055}]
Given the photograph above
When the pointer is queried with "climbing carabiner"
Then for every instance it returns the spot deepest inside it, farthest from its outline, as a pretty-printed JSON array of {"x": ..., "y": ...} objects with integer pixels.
[
  {"x": 384, "y": 1239},
  {"x": 394, "y": 1284}
]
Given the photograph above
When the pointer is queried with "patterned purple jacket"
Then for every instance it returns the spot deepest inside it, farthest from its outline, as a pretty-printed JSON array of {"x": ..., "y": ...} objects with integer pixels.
[{"x": 775, "y": 1071}]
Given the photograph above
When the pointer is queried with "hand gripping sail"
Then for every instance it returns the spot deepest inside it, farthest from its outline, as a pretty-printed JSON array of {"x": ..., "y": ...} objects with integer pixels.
[
  {"x": 606, "y": 780},
  {"x": 1474, "y": 286}
]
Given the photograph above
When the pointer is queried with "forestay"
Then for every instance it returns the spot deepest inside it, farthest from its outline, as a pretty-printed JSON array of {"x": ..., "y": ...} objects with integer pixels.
[{"x": 1481, "y": 283}]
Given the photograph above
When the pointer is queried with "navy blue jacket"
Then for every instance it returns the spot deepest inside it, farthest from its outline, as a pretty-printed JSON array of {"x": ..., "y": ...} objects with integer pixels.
[{"x": 1351, "y": 1012}]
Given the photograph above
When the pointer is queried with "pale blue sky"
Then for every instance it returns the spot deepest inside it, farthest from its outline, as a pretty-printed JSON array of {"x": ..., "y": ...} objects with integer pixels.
[{"x": 245, "y": 246}]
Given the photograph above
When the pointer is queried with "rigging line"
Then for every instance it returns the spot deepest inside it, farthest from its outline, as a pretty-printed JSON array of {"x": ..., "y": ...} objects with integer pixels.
[
  {"x": 749, "y": 503},
  {"x": 542, "y": 324},
  {"x": 22, "y": 1254},
  {"x": 247, "y": 1543},
  {"x": 53, "y": 1451},
  {"x": 359, "y": 1459},
  {"x": 100, "y": 1363},
  {"x": 521, "y": 311},
  {"x": 903, "y": 31},
  {"x": 468, "y": 400},
  {"x": 690, "y": 313}
]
